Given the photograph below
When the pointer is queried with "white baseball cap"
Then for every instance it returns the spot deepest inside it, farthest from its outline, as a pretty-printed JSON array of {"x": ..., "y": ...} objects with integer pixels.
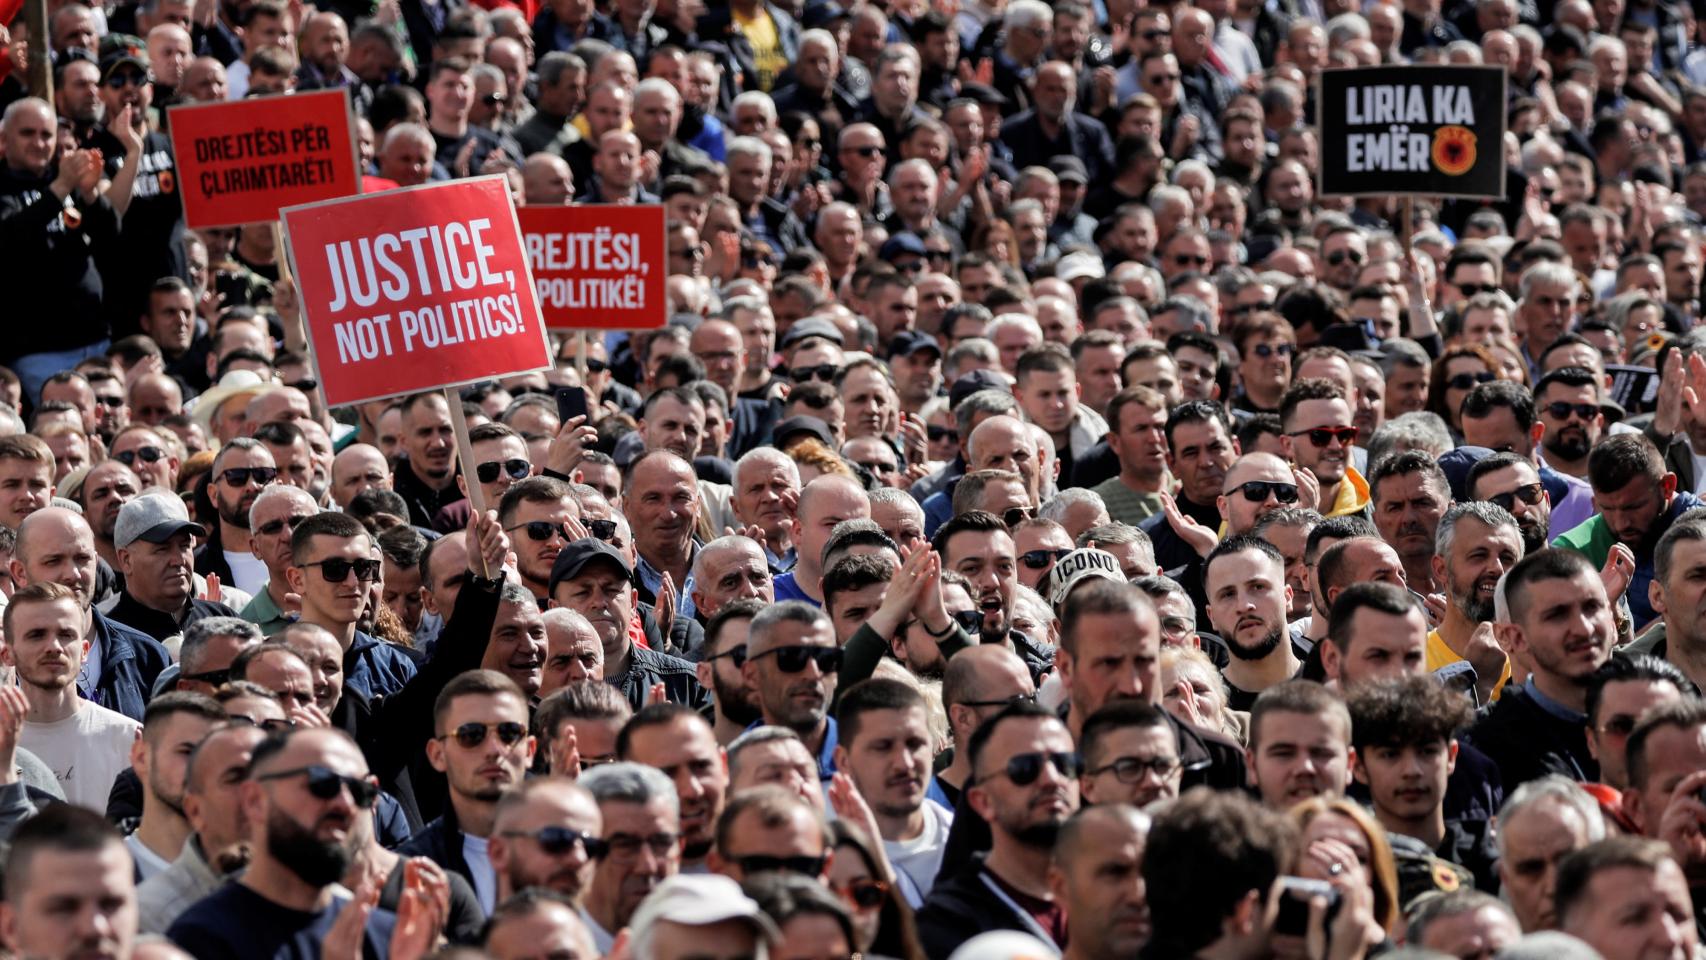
[{"x": 700, "y": 900}]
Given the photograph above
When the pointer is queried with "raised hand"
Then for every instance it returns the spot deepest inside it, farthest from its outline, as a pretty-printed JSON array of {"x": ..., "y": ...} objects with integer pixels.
[
  {"x": 488, "y": 544},
  {"x": 664, "y": 612},
  {"x": 1196, "y": 536},
  {"x": 1618, "y": 571},
  {"x": 344, "y": 939},
  {"x": 1308, "y": 488},
  {"x": 13, "y": 710},
  {"x": 564, "y": 453}
]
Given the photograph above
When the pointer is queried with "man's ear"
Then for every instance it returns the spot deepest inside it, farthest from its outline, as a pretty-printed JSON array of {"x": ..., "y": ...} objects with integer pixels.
[
  {"x": 1632, "y": 810},
  {"x": 1655, "y": 595},
  {"x": 1331, "y": 659},
  {"x": 1359, "y": 769},
  {"x": 297, "y": 578},
  {"x": 1287, "y": 448},
  {"x": 19, "y": 576},
  {"x": 435, "y": 754},
  {"x": 1063, "y": 665},
  {"x": 978, "y": 799},
  {"x": 139, "y": 758},
  {"x": 1438, "y": 563},
  {"x": 1451, "y": 755}
]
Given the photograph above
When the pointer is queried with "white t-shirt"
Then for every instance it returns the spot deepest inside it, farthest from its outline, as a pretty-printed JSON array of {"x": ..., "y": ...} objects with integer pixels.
[
  {"x": 920, "y": 858},
  {"x": 148, "y": 863},
  {"x": 480, "y": 871},
  {"x": 86, "y": 751},
  {"x": 250, "y": 574}
]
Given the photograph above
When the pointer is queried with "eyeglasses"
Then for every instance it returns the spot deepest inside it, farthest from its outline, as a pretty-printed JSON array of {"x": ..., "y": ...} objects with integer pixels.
[
  {"x": 1529, "y": 494},
  {"x": 866, "y": 152},
  {"x": 938, "y": 433},
  {"x": 794, "y": 659},
  {"x": 1467, "y": 381},
  {"x": 1259, "y": 306},
  {"x": 516, "y": 467},
  {"x": 1132, "y": 769},
  {"x": 910, "y": 266},
  {"x": 119, "y": 81},
  {"x": 148, "y": 455},
  {"x": 240, "y": 476},
  {"x": 1340, "y": 256},
  {"x": 1154, "y": 35},
  {"x": 473, "y": 734},
  {"x": 1157, "y": 79},
  {"x": 1024, "y": 769},
  {"x": 273, "y": 528},
  {"x": 271, "y": 726},
  {"x": 1266, "y": 350},
  {"x": 325, "y": 784},
  {"x": 1016, "y": 698},
  {"x": 1258, "y": 491},
  {"x": 626, "y": 846},
  {"x": 735, "y": 654},
  {"x": 1041, "y": 559},
  {"x": 542, "y": 530},
  {"x": 1013, "y": 516},
  {"x": 1177, "y": 628},
  {"x": 764, "y": 863},
  {"x": 1471, "y": 289},
  {"x": 1322, "y": 436},
  {"x": 1561, "y": 410},
  {"x": 216, "y": 678},
  {"x": 865, "y": 893},
  {"x": 1189, "y": 260},
  {"x": 557, "y": 841},
  {"x": 823, "y": 371},
  {"x": 337, "y": 569}
]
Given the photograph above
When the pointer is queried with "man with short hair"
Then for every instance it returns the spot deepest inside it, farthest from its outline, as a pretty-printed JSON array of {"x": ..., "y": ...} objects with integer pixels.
[
  {"x": 1679, "y": 637},
  {"x": 174, "y": 724},
  {"x": 1625, "y": 691},
  {"x": 792, "y": 663},
  {"x": 1318, "y": 435},
  {"x": 1568, "y": 401},
  {"x": 1540, "y": 824},
  {"x": 1409, "y": 494},
  {"x": 1048, "y": 391},
  {"x": 766, "y": 490},
  {"x": 1511, "y": 482},
  {"x": 1097, "y": 872},
  {"x": 642, "y": 833},
  {"x": 153, "y": 536},
  {"x": 1131, "y": 755},
  {"x": 676, "y": 740},
  {"x": 1248, "y": 598},
  {"x": 885, "y": 747},
  {"x": 426, "y": 476},
  {"x": 70, "y": 890},
  {"x": 106, "y": 488},
  {"x": 1378, "y": 632},
  {"x": 1603, "y": 884},
  {"x": 241, "y": 470},
  {"x": 823, "y": 504},
  {"x": 728, "y": 569},
  {"x": 273, "y": 518},
  {"x": 546, "y": 833},
  {"x": 1476, "y": 544},
  {"x": 1136, "y": 418},
  {"x": 1300, "y": 744},
  {"x": 332, "y": 562}
]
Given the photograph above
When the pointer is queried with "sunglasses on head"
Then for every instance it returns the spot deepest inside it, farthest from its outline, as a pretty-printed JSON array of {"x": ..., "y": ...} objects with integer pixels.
[
  {"x": 1340, "y": 256},
  {"x": 146, "y": 455},
  {"x": 472, "y": 734},
  {"x": 273, "y": 528},
  {"x": 337, "y": 569},
  {"x": 325, "y": 784},
  {"x": 516, "y": 467},
  {"x": 1132, "y": 769},
  {"x": 1529, "y": 494},
  {"x": 1266, "y": 350},
  {"x": 1041, "y": 559},
  {"x": 240, "y": 476},
  {"x": 542, "y": 530},
  {"x": 557, "y": 841},
  {"x": 794, "y": 659},
  {"x": 865, "y": 893},
  {"x": 1322, "y": 436},
  {"x": 823, "y": 371},
  {"x": 1561, "y": 410},
  {"x": 1258, "y": 491},
  {"x": 938, "y": 433},
  {"x": 1467, "y": 381},
  {"x": 1024, "y": 769},
  {"x": 765, "y": 863},
  {"x": 1013, "y": 516}
]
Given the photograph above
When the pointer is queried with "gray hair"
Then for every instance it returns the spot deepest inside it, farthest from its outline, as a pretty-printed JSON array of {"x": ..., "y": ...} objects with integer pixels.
[
  {"x": 1057, "y": 506},
  {"x": 1401, "y": 352},
  {"x": 750, "y": 146},
  {"x": 1007, "y": 320},
  {"x": 1193, "y": 310},
  {"x": 418, "y": 131},
  {"x": 280, "y": 491},
  {"x": 1347, "y": 26},
  {"x": 1025, "y": 13},
  {"x": 899, "y": 498},
  {"x": 769, "y": 456},
  {"x": 1549, "y": 945},
  {"x": 730, "y": 542},
  {"x": 735, "y": 305},
  {"x": 995, "y": 402},
  {"x": 1485, "y": 511},
  {"x": 1555, "y": 788},
  {"x": 1417, "y": 430},
  {"x": 754, "y": 98},
  {"x": 553, "y": 65},
  {"x": 1547, "y": 272},
  {"x": 971, "y": 348},
  {"x": 568, "y": 620},
  {"x": 768, "y": 733},
  {"x": 633, "y": 783},
  {"x": 1434, "y": 906},
  {"x": 660, "y": 86},
  {"x": 19, "y": 106},
  {"x": 822, "y": 37},
  {"x": 202, "y": 632},
  {"x": 1161, "y": 195},
  {"x": 1117, "y": 533},
  {"x": 788, "y": 611},
  {"x": 483, "y": 69},
  {"x": 1160, "y": 586}
]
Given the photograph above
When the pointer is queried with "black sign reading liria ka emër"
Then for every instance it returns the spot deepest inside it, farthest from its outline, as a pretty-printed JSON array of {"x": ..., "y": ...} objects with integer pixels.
[{"x": 1437, "y": 131}]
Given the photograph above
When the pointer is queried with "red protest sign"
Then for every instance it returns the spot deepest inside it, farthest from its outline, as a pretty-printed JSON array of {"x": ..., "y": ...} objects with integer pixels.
[
  {"x": 413, "y": 289},
  {"x": 240, "y": 162},
  {"x": 598, "y": 266}
]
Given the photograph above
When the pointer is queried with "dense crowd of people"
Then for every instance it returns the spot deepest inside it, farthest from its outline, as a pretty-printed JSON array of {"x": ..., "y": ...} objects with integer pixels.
[{"x": 1045, "y": 526}]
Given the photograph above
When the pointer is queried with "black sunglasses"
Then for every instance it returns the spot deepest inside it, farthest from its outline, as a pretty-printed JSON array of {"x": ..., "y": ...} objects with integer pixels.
[
  {"x": 1041, "y": 559},
  {"x": 794, "y": 659},
  {"x": 112, "y": 402},
  {"x": 271, "y": 726},
  {"x": 1529, "y": 494},
  {"x": 240, "y": 476},
  {"x": 146, "y": 455},
  {"x": 937, "y": 433},
  {"x": 1321, "y": 436},
  {"x": 1561, "y": 410},
  {"x": 472, "y": 734},
  {"x": 516, "y": 467},
  {"x": 1189, "y": 260},
  {"x": 542, "y": 530},
  {"x": 1471, "y": 289},
  {"x": 337, "y": 569},
  {"x": 306, "y": 385},
  {"x": 1132, "y": 769},
  {"x": 866, "y": 152},
  {"x": 1013, "y": 516},
  {"x": 764, "y": 863},
  {"x": 1259, "y": 306},
  {"x": 737, "y": 654},
  {"x": 1016, "y": 698},
  {"x": 1265, "y": 350},
  {"x": 1024, "y": 769},
  {"x": 601, "y": 529},
  {"x": 1467, "y": 381},
  {"x": 823, "y": 371},
  {"x": 494, "y": 100},
  {"x": 272, "y": 528},
  {"x": 217, "y": 678},
  {"x": 1340, "y": 256},
  {"x": 1258, "y": 491},
  {"x": 557, "y": 841},
  {"x": 326, "y": 784}
]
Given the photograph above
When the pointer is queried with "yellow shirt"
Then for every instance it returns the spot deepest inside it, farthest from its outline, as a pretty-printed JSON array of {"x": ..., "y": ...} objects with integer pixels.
[
  {"x": 760, "y": 31},
  {"x": 1439, "y": 655}
]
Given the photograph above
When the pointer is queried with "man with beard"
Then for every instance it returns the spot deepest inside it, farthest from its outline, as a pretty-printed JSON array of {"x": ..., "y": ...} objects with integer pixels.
[
  {"x": 1511, "y": 482},
  {"x": 216, "y": 847},
  {"x": 276, "y": 513},
  {"x": 886, "y": 748},
  {"x": 481, "y": 744},
  {"x": 1024, "y": 783},
  {"x": 1097, "y": 872},
  {"x": 1562, "y": 627},
  {"x": 1200, "y": 451},
  {"x": 664, "y": 503},
  {"x": 547, "y": 833},
  {"x": 1568, "y": 401},
  {"x": 332, "y": 562},
  {"x": 107, "y": 487},
  {"x": 1110, "y": 645},
  {"x": 426, "y": 477},
  {"x": 677, "y": 741},
  {"x": 540, "y": 514},
  {"x": 174, "y": 724},
  {"x": 1137, "y": 437},
  {"x": 69, "y": 888},
  {"x": 791, "y": 664},
  {"x": 56, "y": 545},
  {"x": 303, "y": 793},
  {"x": 1410, "y": 493},
  {"x": 1247, "y": 602},
  {"x": 1502, "y": 416},
  {"x": 642, "y": 837},
  {"x": 153, "y": 536},
  {"x": 573, "y": 651},
  {"x": 1637, "y": 501},
  {"x": 1318, "y": 436},
  {"x": 242, "y": 469},
  {"x": 1477, "y": 544},
  {"x": 736, "y": 706}
]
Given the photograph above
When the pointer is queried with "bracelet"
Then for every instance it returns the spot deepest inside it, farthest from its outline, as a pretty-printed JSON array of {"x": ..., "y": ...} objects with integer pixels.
[{"x": 945, "y": 633}]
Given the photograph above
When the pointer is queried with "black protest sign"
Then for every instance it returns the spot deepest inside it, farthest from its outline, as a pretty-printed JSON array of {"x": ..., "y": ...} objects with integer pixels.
[{"x": 1434, "y": 131}]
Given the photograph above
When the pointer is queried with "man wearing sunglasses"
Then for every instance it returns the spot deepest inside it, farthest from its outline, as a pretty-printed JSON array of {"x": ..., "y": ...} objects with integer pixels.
[
  {"x": 792, "y": 665},
  {"x": 500, "y": 461},
  {"x": 1510, "y": 481},
  {"x": 141, "y": 448},
  {"x": 546, "y": 833},
  {"x": 304, "y": 793},
  {"x": 275, "y": 515},
  {"x": 1504, "y": 417},
  {"x": 540, "y": 514},
  {"x": 153, "y": 536},
  {"x": 1568, "y": 400},
  {"x": 1319, "y": 437},
  {"x": 482, "y": 746},
  {"x": 1622, "y": 691},
  {"x": 333, "y": 564},
  {"x": 1024, "y": 783},
  {"x": 241, "y": 470}
]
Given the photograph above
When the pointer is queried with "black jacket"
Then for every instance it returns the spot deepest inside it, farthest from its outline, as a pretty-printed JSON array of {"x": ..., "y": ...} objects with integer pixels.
[
  {"x": 131, "y": 613},
  {"x": 441, "y": 842},
  {"x": 961, "y": 906},
  {"x": 53, "y": 290},
  {"x": 647, "y": 667},
  {"x": 1526, "y": 742},
  {"x": 424, "y": 502}
]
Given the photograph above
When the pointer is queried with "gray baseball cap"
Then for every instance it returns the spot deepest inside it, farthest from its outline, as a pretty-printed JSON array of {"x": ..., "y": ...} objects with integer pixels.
[{"x": 155, "y": 518}]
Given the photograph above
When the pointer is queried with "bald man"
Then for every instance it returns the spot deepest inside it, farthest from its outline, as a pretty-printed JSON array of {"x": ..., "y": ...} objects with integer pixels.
[
  {"x": 1257, "y": 485},
  {"x": 358, "y": 467},
  {"x": 546, "y": 180},
  {"x": 824, "y": 502},
  {"x": 616, "y": 172}
]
